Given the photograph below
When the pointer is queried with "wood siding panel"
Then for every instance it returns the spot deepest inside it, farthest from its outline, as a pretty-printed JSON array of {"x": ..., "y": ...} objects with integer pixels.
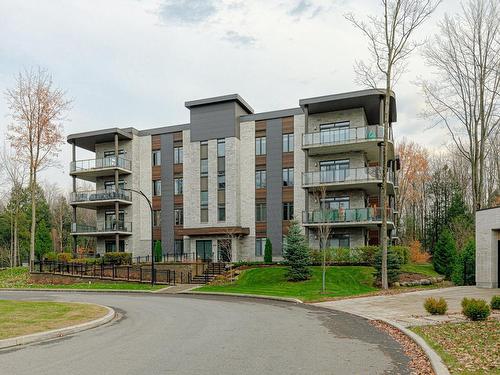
[
  {"x": 157, "y": 233},
  {"x": 156, "y": 172},
  {"x": 260, "y": 194},
  {"x": 156, "y": 203},
  {"x": 287, "y": 160},
  {"x": 178, "y": 169},
  {"x": 260, "y": 160},
  {"x": 260, "y": 126},
  {"x": 287, "y": 194},
  {"x": 261, "y": 228},
  {"x": 155, "y": 142},
  {"x": 177, "y": 136},
  {"x": 287, "y": 125},
  {"x": 178, "y": 200}
]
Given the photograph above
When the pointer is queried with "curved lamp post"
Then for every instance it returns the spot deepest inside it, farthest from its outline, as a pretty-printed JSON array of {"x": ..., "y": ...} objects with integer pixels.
[{"x": 153, "y": 276}]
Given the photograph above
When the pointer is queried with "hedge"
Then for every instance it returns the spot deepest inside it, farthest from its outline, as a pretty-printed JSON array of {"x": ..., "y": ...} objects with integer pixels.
[
  {"x": 117, "y": 258},
  {"x": 358, "y": 255}
]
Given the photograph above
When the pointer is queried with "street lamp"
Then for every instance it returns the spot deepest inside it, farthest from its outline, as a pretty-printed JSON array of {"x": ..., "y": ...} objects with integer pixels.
[{"x": 152, "y": 242}]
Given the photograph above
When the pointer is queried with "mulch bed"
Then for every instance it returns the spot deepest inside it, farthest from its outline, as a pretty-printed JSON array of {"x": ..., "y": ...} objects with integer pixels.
[{"x": 419, "y": 362}]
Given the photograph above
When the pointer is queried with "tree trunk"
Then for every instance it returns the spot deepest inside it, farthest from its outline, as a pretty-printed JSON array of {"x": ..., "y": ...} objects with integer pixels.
[
  {"x": 383, "y": 239},
  {"x": 33, "y": 219}
]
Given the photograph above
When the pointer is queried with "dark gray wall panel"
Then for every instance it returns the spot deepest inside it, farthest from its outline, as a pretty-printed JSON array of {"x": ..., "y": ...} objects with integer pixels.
[
  {"x": 167, "y": 193},
  {"x": 213, "y": 121},
  {"x": 274, "y": 183}
]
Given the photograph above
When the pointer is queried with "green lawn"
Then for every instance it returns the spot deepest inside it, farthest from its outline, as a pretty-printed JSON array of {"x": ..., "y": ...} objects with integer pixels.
[
  {"x": 340, "y": 282},
  {"x": 466, "y": 348},
  {"x": 425, "y": 269},
  {"x": 19, "y": 278},
  {"x": 19, "y": 318}
]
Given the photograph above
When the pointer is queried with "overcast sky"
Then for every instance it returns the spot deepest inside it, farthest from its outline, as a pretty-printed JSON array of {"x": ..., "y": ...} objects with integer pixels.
[{"x": 135, "y": 63}]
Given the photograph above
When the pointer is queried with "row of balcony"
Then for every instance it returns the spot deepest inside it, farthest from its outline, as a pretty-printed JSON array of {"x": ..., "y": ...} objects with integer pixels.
[
  {"x": 365, "y": 174},
  {"x": 347, "y": 217},
  {"x": 106, "y": 228},
  {"x": 344, "y": 135}
]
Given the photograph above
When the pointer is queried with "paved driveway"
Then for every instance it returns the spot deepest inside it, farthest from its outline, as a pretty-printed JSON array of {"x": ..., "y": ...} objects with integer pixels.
[
  {"x": 408, "y": 308},
  {"x": 206, "y": 335}
]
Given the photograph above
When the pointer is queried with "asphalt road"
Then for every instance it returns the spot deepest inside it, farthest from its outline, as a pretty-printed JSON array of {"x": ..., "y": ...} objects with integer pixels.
[{"x": 158, "y": 334}]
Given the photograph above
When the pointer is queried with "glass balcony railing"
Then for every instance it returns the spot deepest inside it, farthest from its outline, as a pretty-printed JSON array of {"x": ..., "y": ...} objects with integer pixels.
[
  {"x": 120, "y": 226},
  {"x": 344, "y": 135},
  {"x": 345, "y": 175},
  {"x": 100, "y": 195},
  {"x": 93, "y": 164},
  {"x": 338, "y": 216}
]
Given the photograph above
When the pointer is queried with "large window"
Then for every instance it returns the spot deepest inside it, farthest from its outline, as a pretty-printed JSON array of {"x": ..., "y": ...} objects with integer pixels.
[
  {"x": 334, "y": 170},
  {"x": 178, "y": 186},
  {"x": 178, "y": 247},
  {"x": 110, "y": 185},
  {"x": 110, "y": 246},
  {"x": 178, "y": 216},
  {"x": 287, "y": 176},
  {"x": 336, "y": 203},
  {"x": 288, "y": 142},
  {"x": 260, "y": 212},
  {"x": 334, "y": 132},
  {"x": 288, "y": 211},
  {"x": 339, "y": 240},
  {"x": 156, "y": 188},
  {"x": 260, "y": 146},
  {"x": 156, "y": 218},
  {"x": 221, "y": 148},
  {"x": 221, "y": 212},
  {"x": 260, "y": 244},
  {"x": 221, "y": 182},
  {"x": 178, "y": 155},
  {"x": 156, "y": 158},
  {"x": 260, "y": 179}
]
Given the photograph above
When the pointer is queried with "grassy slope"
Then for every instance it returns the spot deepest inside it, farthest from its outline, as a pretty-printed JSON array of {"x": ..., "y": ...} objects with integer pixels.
[
  {"x": 425, "y": 269},
  {"x": 466, "y": 348},
  {"x": 19, "y": 278},
  {"x": 340, "y": 282},
  {"x": 19, "y": 318}
]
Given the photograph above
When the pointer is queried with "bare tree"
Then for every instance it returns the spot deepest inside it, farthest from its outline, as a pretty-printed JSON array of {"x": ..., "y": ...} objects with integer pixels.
[
  {"x": 37, "y": 110},
  {"x": 390, "y": 44},
  {"x": 465, "y": 98}
]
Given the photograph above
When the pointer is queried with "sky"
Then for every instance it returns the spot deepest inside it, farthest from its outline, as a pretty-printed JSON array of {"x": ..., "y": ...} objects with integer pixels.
[{"x": 135, "y": 62}]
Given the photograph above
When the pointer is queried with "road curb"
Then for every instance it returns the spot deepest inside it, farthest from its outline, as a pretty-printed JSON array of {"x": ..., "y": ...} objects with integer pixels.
[
  {"x": 76, "y": 290},
  {"x": 252, "y": 296},
  {"x": 60, "y": 332}
]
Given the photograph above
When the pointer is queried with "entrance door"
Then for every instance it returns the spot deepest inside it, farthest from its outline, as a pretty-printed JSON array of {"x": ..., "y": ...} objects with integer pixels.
[{"x": 204, "y": 250}]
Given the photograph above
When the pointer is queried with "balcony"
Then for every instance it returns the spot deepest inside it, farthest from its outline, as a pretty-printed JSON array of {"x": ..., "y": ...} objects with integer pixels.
[
  {"x": 366, "y": 178},
  {"x": 367, "y": 216},
  {"x": 102, "y": 229},
  {"x": 341, "y": 140},
  {"x": 90, "y": 169},
  {"x": 99, "y": 198}
]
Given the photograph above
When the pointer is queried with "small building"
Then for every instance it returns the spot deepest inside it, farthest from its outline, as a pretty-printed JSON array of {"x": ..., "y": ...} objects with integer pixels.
[{"x": 488, "y": 247}]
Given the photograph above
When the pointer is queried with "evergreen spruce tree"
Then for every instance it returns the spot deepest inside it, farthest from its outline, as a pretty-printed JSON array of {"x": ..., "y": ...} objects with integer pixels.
[
  {"x": 445, "y": 253},
  {"x": 296, "y": 254},
  {"x": 158, "y": 252},
  {"x": 43, "y": 239},
  {"x": 268, "y": 252},
  {"x": 464, "y": 270}
]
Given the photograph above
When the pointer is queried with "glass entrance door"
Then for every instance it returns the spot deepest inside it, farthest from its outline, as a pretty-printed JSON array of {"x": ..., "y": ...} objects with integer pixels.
[{"x": 204, "y": 250}]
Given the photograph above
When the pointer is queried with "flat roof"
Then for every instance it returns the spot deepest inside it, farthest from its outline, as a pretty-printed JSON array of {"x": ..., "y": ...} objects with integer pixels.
[
  {"x": 220, "y": 99},
  {"x": 88, "y": 140},
  {"x": 272, "y": 114}
]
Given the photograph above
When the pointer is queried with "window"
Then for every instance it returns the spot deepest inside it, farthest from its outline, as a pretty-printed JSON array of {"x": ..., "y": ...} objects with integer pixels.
[
  {"x": 178, "y": 155},
  {"x": 221, "y": 182},
  {"x": 204, "y": 215},
  {"x": 260, "y": 179},
  {"x": 260, "y": 244},
  {"x": 221, "y": 165},
  {"x": 156, "y": 218},
  {"x": 334, "y": 170},
  {"x": 110, "y": 246},
  {"x": 221, "y": 148},
  {"x": 336, "y": 203},
  {"x": 178, "y": 247},
  {"x": 204, "y": 150},
  {"x": 156, "y": 188},
  {"x": 178, "y": 216},
  {"x": 221, "y": 212},
  {"x": 334, "y": 132},
  {"x": 178, "y": 186},
  {"x": 260, "y": 212},
  {"x": 260, "y": 146},
  {"x": 339, "y": 240},
  {"x": 288, "y": 142},
  {"x": 156, "y": 158},
  {"x": 204, "y": 167},
  {"x": 204, "y": 198},
  {"x": 288, "y": 211},
  {"x": 110, "y": 220},
  {"x": 110, "y": 185},
  {"x": 287, "y": 176}
]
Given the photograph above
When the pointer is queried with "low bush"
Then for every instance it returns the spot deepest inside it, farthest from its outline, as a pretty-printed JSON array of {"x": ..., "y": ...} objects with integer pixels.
[
  {"x": 435, "y": 306},
  {"x": 64, "y": 257},
  {"x": 368, "y": 254},
  {"x": 117, "y": 258},
  {"x": 417, "y": 254},
  {"x": 393, "y": 266},
  {"x": 495, "y": 303},
  {"x": 402, "y": 252},
  {"x": 51, "y": 256},
  {"x": 475, "y": 309}
]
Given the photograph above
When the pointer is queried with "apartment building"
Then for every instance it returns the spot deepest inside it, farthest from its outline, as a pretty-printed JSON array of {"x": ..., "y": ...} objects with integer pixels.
[{"x": 230, "y": 178}]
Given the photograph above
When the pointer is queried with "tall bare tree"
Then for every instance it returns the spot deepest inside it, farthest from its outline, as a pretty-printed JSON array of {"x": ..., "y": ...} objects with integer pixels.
[
  {"x": 324, "y": 227},
  {"x": 390, "y": 38},
  {"x": 38, "y": 110},
  {"x": 465, "y": 98}
]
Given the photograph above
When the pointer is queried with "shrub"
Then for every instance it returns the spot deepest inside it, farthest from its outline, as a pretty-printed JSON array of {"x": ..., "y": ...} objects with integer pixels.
[
  {"x": 436, "y": 306},
  {"x": 444, "y": 255},
  {"x": 51, "y": 256},
  {"x": 64, "y": 257},
  {"x": 117, "y": 258},
  {"x": 368, "y": 254},
  {"x": 495, "y": 303},
  {"x": 403, "y": 253},
  {"x": 268, "y": 252},
  {"x": 475, "y": 309},
  {"x": 464, "y": 269},
  {"x": 417, "y": 255},
  {"x": 393, "y": 266},
  {"x": 296, "y": 254},
  {"x": 158, "y": 252}
]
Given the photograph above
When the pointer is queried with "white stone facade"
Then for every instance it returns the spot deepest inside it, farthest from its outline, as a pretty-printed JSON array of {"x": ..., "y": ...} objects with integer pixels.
[{"x": 487, "y": 247}]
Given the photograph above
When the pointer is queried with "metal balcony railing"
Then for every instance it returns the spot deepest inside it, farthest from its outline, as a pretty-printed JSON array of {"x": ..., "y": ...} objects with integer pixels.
[
  {"x": 344, "y": 135},
  {"x": 100, "y": 195},
  {"x": 107, "y": 162},
  {"x": 345, "y": 175},
  {"x": 120, "y": 226},
  {"x": 338, "y": 216}
]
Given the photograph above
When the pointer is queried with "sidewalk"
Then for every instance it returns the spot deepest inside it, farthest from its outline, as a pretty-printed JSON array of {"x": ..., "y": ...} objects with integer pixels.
[{"x": 407, "y": 309}]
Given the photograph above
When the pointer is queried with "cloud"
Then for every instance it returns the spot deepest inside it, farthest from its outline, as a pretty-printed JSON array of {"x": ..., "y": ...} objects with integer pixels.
[
  {"x": 305, "y": 7},
  {"x": 186, "y": 11},
  {"x": 239, "y": 39}
]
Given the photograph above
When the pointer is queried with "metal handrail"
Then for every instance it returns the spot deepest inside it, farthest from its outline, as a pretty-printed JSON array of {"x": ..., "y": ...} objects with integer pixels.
[
  {"x": 353, "y": 215},
  {"x": 345, "y": 175},
  {"x": 100, "y": 195},
  {"x": 120, "y": 226},
  {"x": 345, "y": 135},
  {"x": 107, "y": 162}
]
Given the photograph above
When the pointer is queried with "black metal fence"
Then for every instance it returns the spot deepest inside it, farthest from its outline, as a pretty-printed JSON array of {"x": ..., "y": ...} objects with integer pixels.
[{"x": 165, "y": 258}]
